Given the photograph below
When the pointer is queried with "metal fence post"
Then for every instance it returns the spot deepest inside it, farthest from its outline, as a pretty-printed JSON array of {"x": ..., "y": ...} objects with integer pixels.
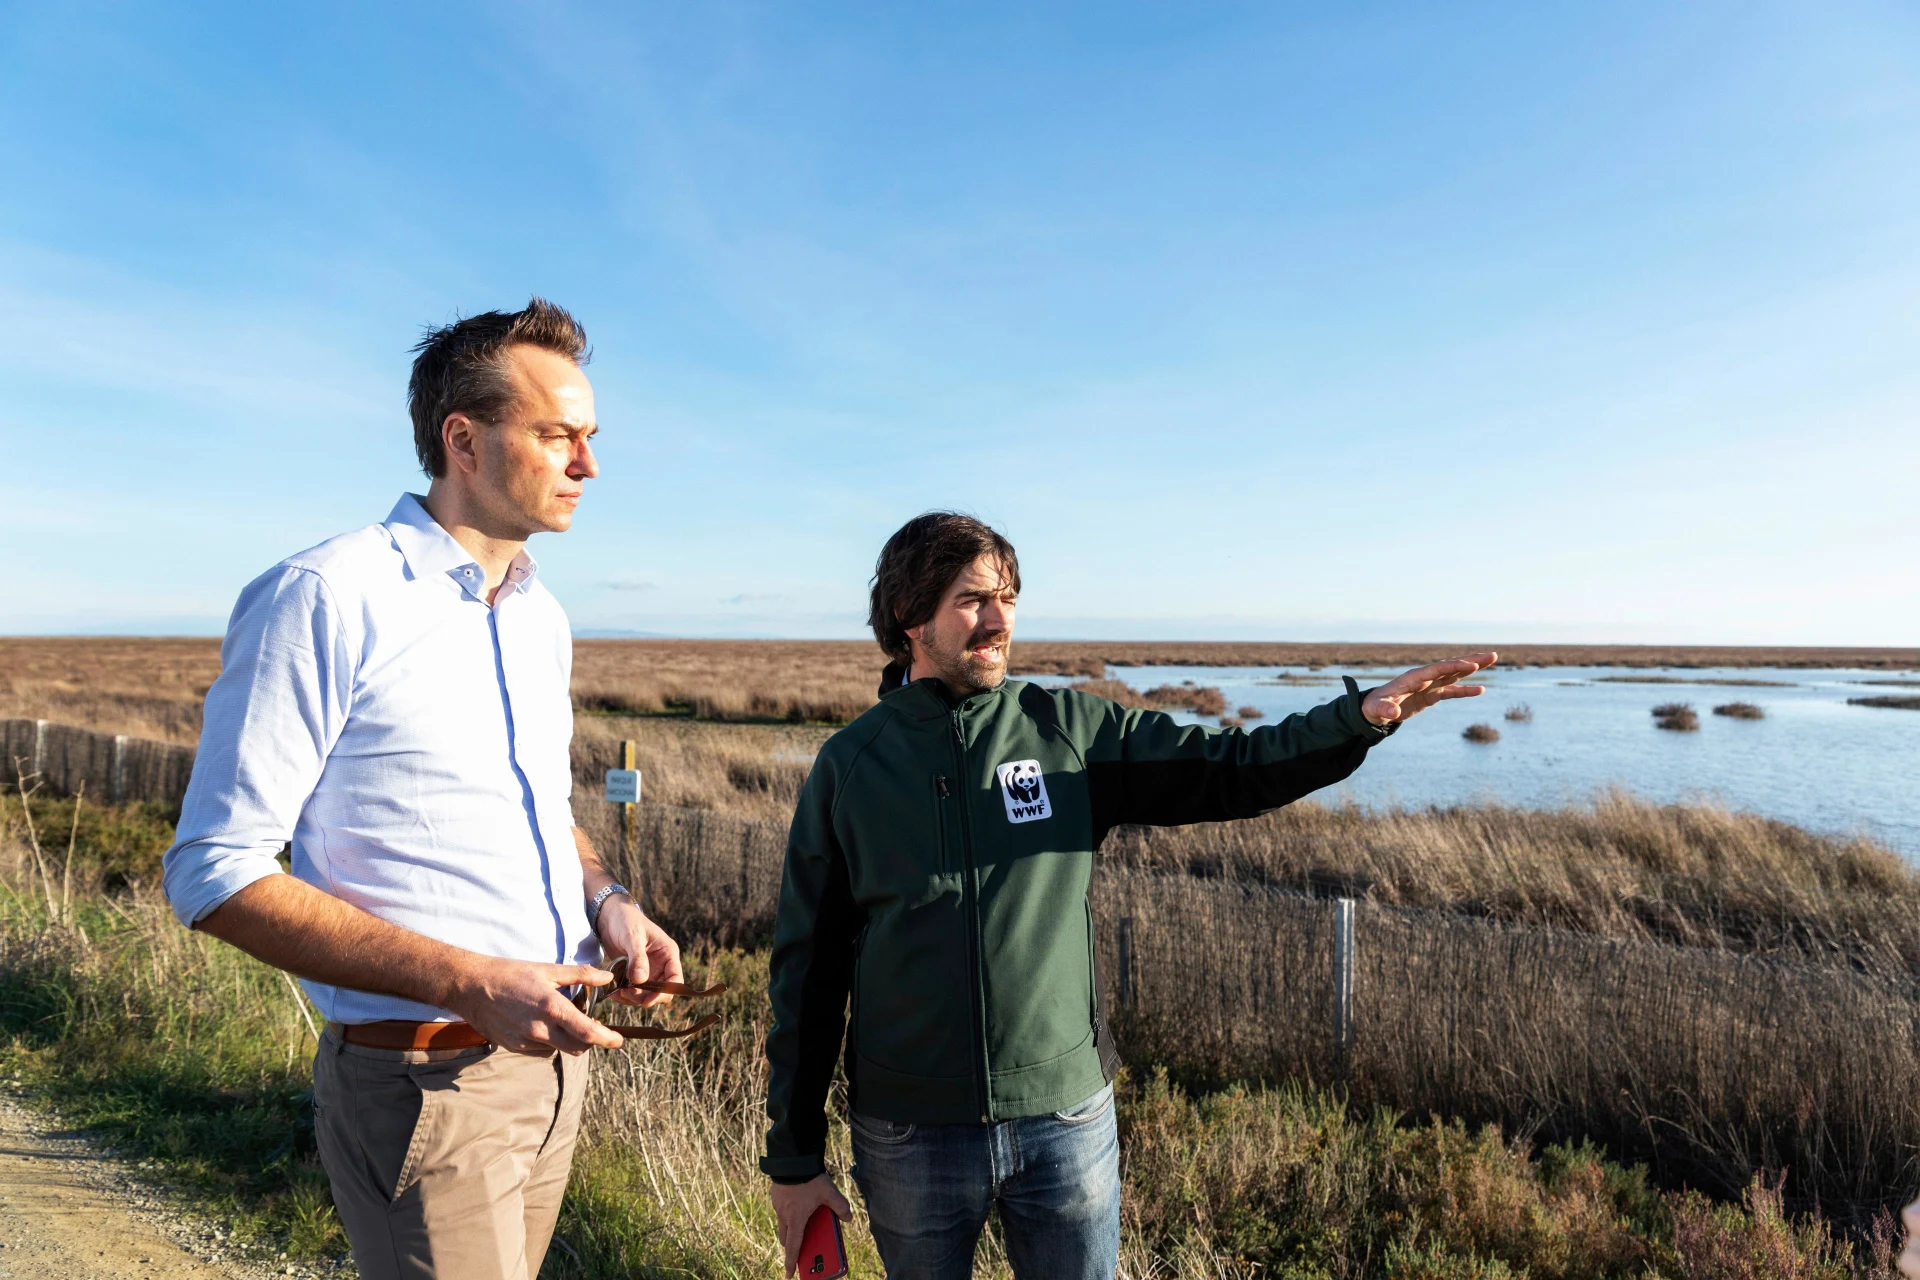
[
  {"x": 1343, "y": 985},
  {"x": 39, "y": 745},
  {"x": 117, "y": 780},
  {"x": 1126, "y": 962}
]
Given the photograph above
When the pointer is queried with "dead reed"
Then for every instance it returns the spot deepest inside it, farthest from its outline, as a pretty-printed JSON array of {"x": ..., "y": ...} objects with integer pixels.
[
  {"x": 153, "y": 687},
  {"x": 1619, "y": 868},
  {"x": 1520, "y": 713},
  {"x": 1250, "y": 712},
  {"x": 1483, "y": 733},
  {"x": 1678, "y": 716},
  {"x": 1740, "y": 711},
  {"x": 1887, "y": 700},
  {"x": 1202, "y": 700}
]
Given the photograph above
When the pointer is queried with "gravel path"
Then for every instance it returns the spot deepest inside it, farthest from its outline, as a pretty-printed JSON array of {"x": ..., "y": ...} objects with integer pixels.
[{"x": 70, "y": 1211}]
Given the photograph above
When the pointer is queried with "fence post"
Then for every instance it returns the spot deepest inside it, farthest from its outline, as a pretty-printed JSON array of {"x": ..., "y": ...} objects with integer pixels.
[
  {"x": 1343, "y": 985},
  {"x": 1126, "y": 962},
  {"x": 117, "y": 780},
  {"x": 39, "y": 745}
]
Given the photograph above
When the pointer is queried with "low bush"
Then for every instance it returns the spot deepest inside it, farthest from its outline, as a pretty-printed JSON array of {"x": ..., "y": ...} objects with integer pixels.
[
  {"x": 1678, "y": 716},
  {"x": 1520, "y": 713},
  {"x": 1481, "y": 733},
  {"x": 1740, "y": 711},
  {"x": 1251, "y": 712}
]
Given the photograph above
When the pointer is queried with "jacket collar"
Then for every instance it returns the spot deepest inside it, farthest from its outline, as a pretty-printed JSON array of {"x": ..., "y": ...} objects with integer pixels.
[{"x": 928, "y": 698}]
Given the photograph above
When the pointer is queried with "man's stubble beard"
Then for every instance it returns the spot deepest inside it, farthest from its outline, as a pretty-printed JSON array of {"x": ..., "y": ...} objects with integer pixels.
[{"x": 957, "y": 665}]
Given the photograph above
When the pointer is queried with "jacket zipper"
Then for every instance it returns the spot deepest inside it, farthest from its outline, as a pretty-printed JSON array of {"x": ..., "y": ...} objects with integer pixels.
[
  {"x": 975, "y": 977},
  {"x": 943, "y": 792}
]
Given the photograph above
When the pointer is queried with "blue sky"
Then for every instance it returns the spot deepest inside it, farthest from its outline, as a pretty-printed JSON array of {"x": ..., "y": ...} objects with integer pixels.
[{"x": 1368, "y": 321}]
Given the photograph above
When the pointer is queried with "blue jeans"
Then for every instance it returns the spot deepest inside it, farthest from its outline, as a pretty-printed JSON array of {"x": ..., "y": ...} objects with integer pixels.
[{"x": 1055, "y": 1177}]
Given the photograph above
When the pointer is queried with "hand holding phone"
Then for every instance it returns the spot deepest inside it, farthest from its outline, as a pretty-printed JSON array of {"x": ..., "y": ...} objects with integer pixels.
[{"x": 823, "y": 1251}]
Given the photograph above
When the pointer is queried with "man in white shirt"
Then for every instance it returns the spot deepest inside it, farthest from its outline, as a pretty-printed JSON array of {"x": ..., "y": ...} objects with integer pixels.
[{"x": 394, "y": 705}]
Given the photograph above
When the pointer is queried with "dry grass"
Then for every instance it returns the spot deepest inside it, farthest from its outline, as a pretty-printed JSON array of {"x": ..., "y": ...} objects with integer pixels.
[
  {"x": 1088, "y": 657},
  {"x": 1887, "y": 700},
  {"x": 812, "y": 681},
  {"x": 1729, "y": 684},
  {"x": 1677, "y": 716},
  {"x": 1520, "y": 713},
  {"x": 150, "y": 688},
  {"x": 153, "y": 687},
  {"x": 1484, "y": 733},
  {"x": 750, "y": 770},
  {"x": 1200, "y": 699},
  {"x": 1618, "y": 868},
  {"x": 1740, "y": 711},
  {"x": 184, "y": 1052},
  {"x": 1250, "y": 712}
]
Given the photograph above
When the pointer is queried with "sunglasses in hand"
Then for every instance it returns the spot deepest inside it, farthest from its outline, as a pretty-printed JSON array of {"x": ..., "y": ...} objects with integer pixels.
[{"x": 593, "y": 1002}]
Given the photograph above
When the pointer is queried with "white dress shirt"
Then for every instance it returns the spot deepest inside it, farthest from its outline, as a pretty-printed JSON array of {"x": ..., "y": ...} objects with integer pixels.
[{"x": 408, "y": 739}]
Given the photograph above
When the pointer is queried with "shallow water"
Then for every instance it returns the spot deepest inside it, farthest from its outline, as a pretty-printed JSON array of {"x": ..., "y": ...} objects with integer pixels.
[{"x": 1814, "y": 760}]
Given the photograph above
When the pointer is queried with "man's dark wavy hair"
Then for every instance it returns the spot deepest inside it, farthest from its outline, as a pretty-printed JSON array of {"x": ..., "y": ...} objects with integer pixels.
[
  {"x": 919, "y": 563},
  {"x": 461, "y": 368}
]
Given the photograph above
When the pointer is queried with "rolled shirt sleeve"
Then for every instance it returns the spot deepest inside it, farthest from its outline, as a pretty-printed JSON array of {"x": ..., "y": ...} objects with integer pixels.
[{"x": 280, "y": 703}]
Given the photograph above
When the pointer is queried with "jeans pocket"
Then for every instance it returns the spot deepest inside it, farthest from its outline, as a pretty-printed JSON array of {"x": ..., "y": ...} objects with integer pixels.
[
  {"x": 1089, "y": 1111},
  {"x": 882, "y": 1132}
]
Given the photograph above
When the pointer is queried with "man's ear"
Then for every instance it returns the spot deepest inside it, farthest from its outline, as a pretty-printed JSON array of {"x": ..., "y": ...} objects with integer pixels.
[{"x": 458, "y": 433}]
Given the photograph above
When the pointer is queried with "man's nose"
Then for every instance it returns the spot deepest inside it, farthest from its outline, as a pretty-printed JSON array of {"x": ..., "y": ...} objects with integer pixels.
[
  {"x": 583, "y": 465},
  {"x": 996, "y": 615}
]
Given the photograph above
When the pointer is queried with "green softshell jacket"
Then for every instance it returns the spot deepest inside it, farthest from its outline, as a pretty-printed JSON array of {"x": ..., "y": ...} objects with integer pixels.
[{"x": 938, "y": 870}]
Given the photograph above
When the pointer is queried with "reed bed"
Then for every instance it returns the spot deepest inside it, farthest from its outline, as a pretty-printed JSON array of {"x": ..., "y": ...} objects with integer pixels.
[
  {"x": 1200, "y": 699},
  {"x": 153, "y": 687},
  {"x": 1740, "y": 711},
  {"x": 1481, "y": 733},
  {"x": 1677, "y": 716},
  {"x": 1620, "y": 868}
]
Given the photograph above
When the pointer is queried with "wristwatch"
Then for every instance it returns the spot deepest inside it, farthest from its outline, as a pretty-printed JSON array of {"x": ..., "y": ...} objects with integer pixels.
[{"x": 593, "y": 905}]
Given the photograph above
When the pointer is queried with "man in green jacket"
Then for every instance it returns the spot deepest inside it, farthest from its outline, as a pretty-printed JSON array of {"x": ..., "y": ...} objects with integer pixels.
[{"x": 937, "y": 877}]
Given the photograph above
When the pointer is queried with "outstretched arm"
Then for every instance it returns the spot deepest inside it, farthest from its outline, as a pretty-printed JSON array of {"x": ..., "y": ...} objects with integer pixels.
[{"x": 1145, "y": 768}]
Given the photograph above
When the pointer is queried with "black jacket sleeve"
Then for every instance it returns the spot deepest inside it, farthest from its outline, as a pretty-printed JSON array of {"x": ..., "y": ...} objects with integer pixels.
[
  {"x": 1146, "y": 769},
  {"x": 812, "y": 975}
]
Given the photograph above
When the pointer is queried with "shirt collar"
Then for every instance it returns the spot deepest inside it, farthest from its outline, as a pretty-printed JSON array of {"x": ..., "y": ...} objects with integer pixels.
[{"x": 431, "y": 550}]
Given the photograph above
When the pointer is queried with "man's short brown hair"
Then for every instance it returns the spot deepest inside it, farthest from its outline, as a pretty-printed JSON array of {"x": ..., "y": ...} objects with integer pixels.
[
  {"x": 461, "y": 368},
  {"x": 920, "y": 562}
]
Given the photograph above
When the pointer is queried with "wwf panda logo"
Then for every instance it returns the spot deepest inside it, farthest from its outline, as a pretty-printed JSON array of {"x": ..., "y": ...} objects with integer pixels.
[{"x": 1024, "y": 789}]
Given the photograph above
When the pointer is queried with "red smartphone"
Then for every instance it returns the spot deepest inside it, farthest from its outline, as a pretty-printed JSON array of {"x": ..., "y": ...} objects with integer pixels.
[{"x": 823, "y": 1253}]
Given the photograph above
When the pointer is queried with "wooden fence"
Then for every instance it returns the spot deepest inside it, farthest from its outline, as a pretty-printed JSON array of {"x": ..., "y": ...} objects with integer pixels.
[{"x": 112, "y": 768}]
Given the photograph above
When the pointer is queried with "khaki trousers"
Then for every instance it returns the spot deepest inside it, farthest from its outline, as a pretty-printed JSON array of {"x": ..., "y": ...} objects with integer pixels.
[{"x": 446, "y": 1163}]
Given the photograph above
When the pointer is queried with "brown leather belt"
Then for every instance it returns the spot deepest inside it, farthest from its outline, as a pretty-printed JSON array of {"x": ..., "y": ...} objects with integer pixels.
[{"x": 398, "y": 1034}]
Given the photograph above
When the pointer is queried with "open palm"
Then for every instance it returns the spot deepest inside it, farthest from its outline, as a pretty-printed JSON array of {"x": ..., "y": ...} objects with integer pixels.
[{"x": 1410, "y": 694}]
